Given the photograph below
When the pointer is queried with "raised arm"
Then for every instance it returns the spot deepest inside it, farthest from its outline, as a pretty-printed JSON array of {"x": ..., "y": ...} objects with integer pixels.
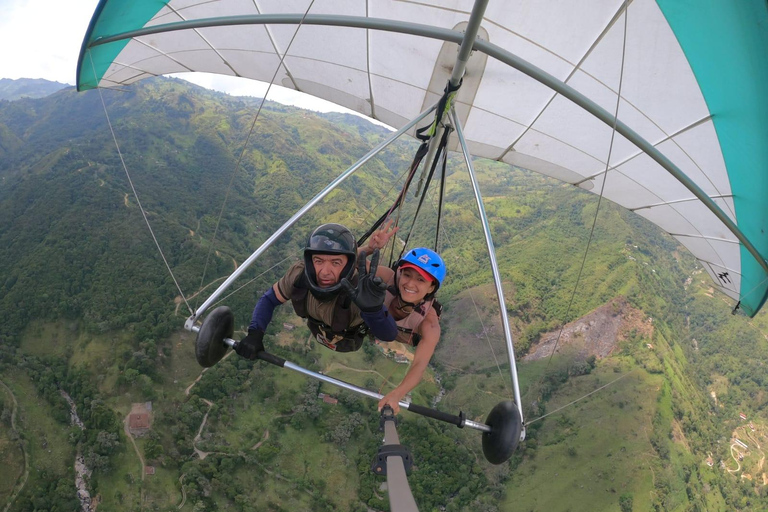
[
  {"x": 380, "y": 238},
  {"x": 369, "y": 297},
  {"x": 430, "y": 335}
]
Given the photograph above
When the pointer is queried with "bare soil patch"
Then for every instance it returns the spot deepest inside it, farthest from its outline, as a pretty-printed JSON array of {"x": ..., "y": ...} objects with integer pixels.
[{"x": 597, "y": 333}]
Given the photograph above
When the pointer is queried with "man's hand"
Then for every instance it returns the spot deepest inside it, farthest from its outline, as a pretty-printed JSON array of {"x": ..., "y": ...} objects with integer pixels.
[
  {"x": 381, "y": 237},
  {"x": 251, "y": 345},
  {"x": 371, "y": 290}
]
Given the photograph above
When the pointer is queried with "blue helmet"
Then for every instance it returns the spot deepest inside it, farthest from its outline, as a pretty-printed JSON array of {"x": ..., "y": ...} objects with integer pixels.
[{"x": 426, "y": 261}]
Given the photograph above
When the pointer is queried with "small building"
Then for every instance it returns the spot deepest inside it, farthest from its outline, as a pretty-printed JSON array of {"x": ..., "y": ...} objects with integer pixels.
[
  {"x": 328, "y": 399},
  {"x": 140, "y": 419},
  {"x": 288, "y": 326},
  {"x": 710, "y": 462},
  {"x": 400, "y": 358},
  {"x": 138, "y": 423},
  {"x": 752, "y": 426},
  {"x": 741, "y": 443},
  {"x": 149, "y": 470},
  {"x": 649, "y": 346},
  {"x": 743, "y": 416}
]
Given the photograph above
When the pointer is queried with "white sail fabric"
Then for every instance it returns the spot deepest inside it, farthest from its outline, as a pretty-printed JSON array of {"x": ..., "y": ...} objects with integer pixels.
[{"x": 596, "y": 48}]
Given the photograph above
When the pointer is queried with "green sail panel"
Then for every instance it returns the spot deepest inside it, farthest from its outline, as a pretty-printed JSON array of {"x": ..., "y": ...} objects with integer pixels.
[{"x": 725, "y": 44}]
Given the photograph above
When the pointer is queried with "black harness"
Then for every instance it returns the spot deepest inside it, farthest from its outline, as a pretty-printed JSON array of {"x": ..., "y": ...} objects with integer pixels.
[
  {"x": 415, "y": 337},
  {"x": 338, "y": 336}
]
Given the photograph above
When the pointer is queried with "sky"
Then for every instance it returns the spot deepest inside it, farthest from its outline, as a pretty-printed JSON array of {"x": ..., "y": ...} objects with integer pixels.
[{"x": 42, "y": 38}]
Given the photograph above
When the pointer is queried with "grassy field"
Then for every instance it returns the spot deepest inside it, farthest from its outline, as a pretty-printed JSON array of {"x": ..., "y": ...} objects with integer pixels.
[
  {"x": 11, "y": 464},
  {"x": 580, "y": 465},
  {"x": 46, "y": 441},
  {"x": 11, "y": 453},
  {"x": 302, "y": 455},
  {"x": 586, "y": 457}
]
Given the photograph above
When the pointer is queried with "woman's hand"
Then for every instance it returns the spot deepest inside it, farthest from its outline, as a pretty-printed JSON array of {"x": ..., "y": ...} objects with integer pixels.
[{"x": 392, "y": 399}]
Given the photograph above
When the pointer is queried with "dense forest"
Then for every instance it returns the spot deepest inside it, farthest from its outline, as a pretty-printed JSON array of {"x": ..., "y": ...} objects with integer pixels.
[{"x": 91, "y": 313}]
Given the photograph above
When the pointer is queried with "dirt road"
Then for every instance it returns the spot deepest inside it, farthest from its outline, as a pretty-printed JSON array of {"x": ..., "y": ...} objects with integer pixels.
[{"x": 22, "y": 481}]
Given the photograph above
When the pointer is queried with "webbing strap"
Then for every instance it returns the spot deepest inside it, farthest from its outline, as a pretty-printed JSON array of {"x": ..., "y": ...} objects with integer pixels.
[
  {"x": 424, "y": 134},
  {"x": 440, "y": 154},
  {"x": 442, "y": 194},
  {"x": 420, "y": 154},
  {"x": 443, "y": 107}
]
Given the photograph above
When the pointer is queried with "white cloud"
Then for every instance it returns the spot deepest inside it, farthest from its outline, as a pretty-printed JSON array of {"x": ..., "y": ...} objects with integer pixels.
[{"x": 42, "y": 39}]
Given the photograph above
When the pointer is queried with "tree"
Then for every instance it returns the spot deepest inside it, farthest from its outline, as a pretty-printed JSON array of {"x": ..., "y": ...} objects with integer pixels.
[{"x": 625, "y": 502}]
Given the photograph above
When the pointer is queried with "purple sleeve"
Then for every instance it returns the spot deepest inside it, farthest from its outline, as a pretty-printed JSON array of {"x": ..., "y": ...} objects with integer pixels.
[
  {"x": 381, "y": 323},
  {"x": 262, "y": 313}
]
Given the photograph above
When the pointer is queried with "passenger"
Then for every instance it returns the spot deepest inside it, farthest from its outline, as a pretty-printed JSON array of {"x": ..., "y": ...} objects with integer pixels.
[
  {"x": 410, "y": 300},
  {"x": 341, "y": 301}
]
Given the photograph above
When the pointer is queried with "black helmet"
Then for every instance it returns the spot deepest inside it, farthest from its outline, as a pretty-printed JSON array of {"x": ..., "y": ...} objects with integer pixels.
[{"x": 329, "y": 239}]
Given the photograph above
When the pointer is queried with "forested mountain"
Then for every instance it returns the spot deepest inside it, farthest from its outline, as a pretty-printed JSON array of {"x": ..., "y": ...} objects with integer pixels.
[
  {"x": 28, "y": 88},
  {"x": 91, "y": 311}
]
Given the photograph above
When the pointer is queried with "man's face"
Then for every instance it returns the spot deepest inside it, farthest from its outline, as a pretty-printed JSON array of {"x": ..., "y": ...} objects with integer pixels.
[{"x": 328, "y": 268}]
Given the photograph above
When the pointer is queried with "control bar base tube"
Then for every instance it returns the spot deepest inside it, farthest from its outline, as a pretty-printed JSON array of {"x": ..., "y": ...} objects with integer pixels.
[
  {"x": 494, "y": 266},
  {"x": 459, "y": 421},
  {"x": 299, "y": 214}
]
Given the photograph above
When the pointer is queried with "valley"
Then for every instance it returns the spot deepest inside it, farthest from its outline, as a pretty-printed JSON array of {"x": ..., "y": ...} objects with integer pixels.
[{"x": 649, "y": 377}]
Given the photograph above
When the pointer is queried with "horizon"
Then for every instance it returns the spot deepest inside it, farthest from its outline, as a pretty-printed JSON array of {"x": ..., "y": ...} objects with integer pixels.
[{"x": 247, "y": 88}]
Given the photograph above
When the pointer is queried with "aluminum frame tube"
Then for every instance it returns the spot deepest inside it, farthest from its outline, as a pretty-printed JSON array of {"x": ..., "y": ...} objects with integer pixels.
[
  {"x": 296, "y": 216},
  {"x": 465, "y": 50},
  {"x": 366, "y": 392},
  {"x": 494, "y": 268},
  {"x": 470, "y": 34}
]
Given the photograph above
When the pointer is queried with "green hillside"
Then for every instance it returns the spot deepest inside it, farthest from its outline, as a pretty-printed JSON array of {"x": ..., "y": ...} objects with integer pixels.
[
  {"x": 91, "y": 310},
  {"x": 12, "y": 90}
]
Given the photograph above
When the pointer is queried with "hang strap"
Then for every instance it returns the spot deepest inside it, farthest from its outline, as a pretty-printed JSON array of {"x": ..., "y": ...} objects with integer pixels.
[{"x": 438, "y": 155}]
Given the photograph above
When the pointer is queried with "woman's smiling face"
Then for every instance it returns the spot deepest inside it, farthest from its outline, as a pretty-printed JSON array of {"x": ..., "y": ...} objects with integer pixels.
[{"x": 413, "y": 286}]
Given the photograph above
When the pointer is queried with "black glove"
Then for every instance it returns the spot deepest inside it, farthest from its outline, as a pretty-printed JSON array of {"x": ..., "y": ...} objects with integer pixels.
[
  {"x": 251, "y": 345},
  {"x": 371, "y": 290}
]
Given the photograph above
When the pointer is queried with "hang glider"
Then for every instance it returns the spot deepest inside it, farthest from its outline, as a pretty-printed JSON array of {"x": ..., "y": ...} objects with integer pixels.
[
  {"x": 656, "y": 105},
  {"x": 539, "y": 91}
]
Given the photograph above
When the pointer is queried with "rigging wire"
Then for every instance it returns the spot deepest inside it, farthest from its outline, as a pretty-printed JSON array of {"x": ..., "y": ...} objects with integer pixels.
[
  {"x": 440, "y": 155},
  {"x": 135, "y": 194},
  {"x": 474, "y": 304},
  {"x": 602, "y": 189},
  {"x": 247, "y": 140},
  {"x": 578, "y": 399},
  {"x": 747, "y": 294},
  {"x": 296, "y": 254}
]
